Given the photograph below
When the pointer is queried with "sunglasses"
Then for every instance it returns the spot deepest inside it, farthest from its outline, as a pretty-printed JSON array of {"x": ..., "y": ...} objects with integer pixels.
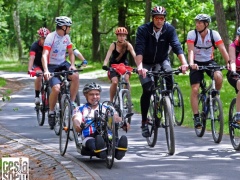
[{"x": 159, "y": 18}]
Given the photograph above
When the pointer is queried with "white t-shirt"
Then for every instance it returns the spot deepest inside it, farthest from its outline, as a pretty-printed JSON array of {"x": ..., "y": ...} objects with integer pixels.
[
  {"x": 203, "y": 55},
  {"x": 57, "y": 46}
]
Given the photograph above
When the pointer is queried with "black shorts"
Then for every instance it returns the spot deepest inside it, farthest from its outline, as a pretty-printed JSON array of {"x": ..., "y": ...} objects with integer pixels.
[
  {"x": 113, "y": 73},
  {"x": 232, "y": 81},
  {"x": 56, "y": 68},
  {"x": 196, "y": 76}
]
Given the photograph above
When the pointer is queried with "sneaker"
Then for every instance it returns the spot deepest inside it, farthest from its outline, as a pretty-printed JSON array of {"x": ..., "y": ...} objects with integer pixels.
[
  {"x": 237, "y": 118},
  {"x": 197, "y": 123},
  {"x": 121, "y": 147},
  {"x": 51, "y": 120},
  {"x": 37, "y": 100},
  {"x": 100, "y": 147},
  {"x": 145, "y": 131}
]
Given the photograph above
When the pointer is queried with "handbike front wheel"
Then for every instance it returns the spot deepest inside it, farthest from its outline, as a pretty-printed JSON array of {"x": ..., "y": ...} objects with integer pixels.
[
  {"x": 110, "y": 138},
  {"x": 178, "y": 105},
  {"x": 153, "y": 129},
  {"x": 234, "y": 128},
  {"x": 217, "y": 122},
  {"x": 65, "y": 125},
  {"x": 169, "y": 125}
]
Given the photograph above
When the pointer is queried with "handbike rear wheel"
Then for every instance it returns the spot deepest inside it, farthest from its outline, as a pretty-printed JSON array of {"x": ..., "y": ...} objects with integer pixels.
[
  {"x": 234, "y": 129},
  {"x": 169, "y": 125},
  {"x": 217, "y": 122},
  {"x": 65, "y": 125},
  {"x": 110, "y": 140},
  {"x": 153, "y": 129}
]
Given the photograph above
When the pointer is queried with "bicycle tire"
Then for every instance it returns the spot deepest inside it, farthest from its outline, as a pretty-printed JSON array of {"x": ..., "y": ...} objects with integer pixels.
[
  {"x": 217, "y": 122},
  {"x": 178, "y": 105},
  {"x": 116, "y": 103},
  {"x": 234, "y": 131},
  {"x": 40, "y": 109},
  {"x": 169, "y": 125},
  {"x": 127, "y": 105},
  {"x": 110, "y": 141},
  {"x": 201, "y": 105},
  {"x": 57, "y": 109},
  {"x": 153, "y": 129},
  {"x": 77, "y": 99},
  {"x": 65, "y": 125}
]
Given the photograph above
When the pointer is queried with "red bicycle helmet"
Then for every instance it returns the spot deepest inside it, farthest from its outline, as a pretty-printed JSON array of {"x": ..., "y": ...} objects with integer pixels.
[
  {"x": 121, "y": 30},
  {"x": 43, "y": 32}
]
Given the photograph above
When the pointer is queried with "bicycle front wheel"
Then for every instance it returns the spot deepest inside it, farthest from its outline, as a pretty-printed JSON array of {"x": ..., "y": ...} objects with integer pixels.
[
  {"x": 77, "y": 99},
  {"x": 169, "y": 125},
  {"x": 201, "y": 106},
  {"x": 178, "y": 105},
  {"x": 234, "y": 128},
  {"x": 41, "y": 109},
  {"x": 217, "y": 122},
  {"x": 65, "y": 125},
  {"x": 57, "y": 109},
  {"x": 127, "y": 106},
  {"x": 153, "y": 129},
  {"x": 110, "y": 138}
]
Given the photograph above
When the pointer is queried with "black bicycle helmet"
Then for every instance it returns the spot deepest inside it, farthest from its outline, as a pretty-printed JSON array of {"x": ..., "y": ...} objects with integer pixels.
[
  {"x": 91, "y": 86},
  {"x": 203, "y": 17},
  {"x": 158, "y": 10}
]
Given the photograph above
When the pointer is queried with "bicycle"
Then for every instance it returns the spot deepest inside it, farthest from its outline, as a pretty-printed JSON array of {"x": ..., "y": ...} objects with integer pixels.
[
  {"x": 177, "y": 102},
  {"x": 160, "y": 112},
  {"x": 43, "y": 107},
  {"x": 234, "y": 127},
  {"x": 104, "y": 122},
  {"x": 63, "y": 97},
  {"x": 122, "y": 101},
  {"x": 210, "y": 105}
]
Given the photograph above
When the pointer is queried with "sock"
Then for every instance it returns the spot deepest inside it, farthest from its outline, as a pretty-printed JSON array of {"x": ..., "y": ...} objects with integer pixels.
[{"x": 196, "y": 115}]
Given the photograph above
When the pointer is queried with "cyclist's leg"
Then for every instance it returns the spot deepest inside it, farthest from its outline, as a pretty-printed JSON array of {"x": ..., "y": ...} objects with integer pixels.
[
  {"x": 218, "y": 77},
  {"x": 166, "y": 66},
  {"x": 114, "y": 83},
  {"x": 37, "y": 83}
]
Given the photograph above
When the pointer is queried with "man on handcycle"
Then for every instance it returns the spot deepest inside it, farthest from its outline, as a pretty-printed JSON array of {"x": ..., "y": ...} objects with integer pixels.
[
  {"x": 84, "y": 115},
  {"x": 53, "y": 58}
]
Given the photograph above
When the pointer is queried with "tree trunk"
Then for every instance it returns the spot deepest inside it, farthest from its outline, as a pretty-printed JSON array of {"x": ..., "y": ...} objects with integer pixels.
[
  {"x": 237, "y": 10},
  {"x": 221, "y": 21},
  {"x": 122, "y": 11},
  {"x": 17, "y": 30},
  {"x": 95, "y": 34},
  {"x": 148, "y": 10}
]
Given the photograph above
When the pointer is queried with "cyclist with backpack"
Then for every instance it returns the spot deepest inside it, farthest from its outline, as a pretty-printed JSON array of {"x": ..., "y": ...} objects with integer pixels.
[
  {"x": 234, "y": 61},
  {"x": 201, "y": 43}
]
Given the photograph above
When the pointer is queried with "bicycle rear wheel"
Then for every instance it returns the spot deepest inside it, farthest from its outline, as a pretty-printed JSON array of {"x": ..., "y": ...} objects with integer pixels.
[
  {"x": 57, "y": 109},
  {"x": 153, "y": 129},
  {"x": 127, "y": 106},
  {"x": 234, "y": 128},
  {"x": 178, "y": 105},
  {"x": 65, "y": 125},
  {"x": 41, "y": 109},
  {"x": 201, "y": 105},
  {"x": 217, "y": 122},
  {"x": 169, "y": 125},
  {"x": 110, "y": 140}
]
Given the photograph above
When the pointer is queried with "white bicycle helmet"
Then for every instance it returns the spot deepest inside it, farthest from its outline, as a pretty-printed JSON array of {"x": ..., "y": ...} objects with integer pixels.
[
  {"x": 63, "y": 21},
  {"x": 203, "y": 17},
  {"x": 91, "y": 86},
  {"x": 158, "y": 10},
  {"x": 238, "y": 31}
]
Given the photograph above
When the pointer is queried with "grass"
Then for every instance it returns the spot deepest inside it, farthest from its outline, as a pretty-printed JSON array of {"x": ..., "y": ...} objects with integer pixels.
[{"x": 227, "y": 92}]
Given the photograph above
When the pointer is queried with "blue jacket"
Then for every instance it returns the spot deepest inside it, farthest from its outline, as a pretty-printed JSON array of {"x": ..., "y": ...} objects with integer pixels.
[{"x": 154, "y": 51}]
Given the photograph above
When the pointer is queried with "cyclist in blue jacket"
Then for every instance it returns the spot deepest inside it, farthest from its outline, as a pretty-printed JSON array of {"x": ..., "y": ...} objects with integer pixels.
[{"x": 152, "y": 44}]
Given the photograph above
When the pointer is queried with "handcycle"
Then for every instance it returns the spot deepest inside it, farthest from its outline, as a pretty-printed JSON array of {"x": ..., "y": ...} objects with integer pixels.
[
  {"x": 234, "y": 127},
  {"x": 122, "y": 101},
  {"x": 160, "y": 112},
  {"x": 104, "y": 123},
  {"x": 210, "y": 105}
]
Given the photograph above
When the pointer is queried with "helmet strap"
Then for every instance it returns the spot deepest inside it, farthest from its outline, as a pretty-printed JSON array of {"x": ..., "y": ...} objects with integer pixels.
[
  {"x": 204, "y": 28},
  {"x": 65, "y": 30}
]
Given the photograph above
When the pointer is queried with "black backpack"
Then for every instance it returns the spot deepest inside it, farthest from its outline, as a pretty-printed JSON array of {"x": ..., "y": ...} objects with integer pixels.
[{"x": 213, "y": 42}]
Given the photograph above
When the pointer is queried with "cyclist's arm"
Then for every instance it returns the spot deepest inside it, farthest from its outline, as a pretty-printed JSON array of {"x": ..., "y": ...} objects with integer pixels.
[
  {"x": 184, "y": 63},
  {"x": 45, "y": 54},
  {"x": 78, "y": 54},
  {"x": 30, "y": 63},
  {"x": 141, "y": 70},
  {"x": 191, "y": 55},
  {"x": 224, "y": 53},
  {"x": 77, "y": 120},
  {"x": 131, "y": 50},
  {"x": 71, "y": 58},
  {"x": 232, "y": 58},
  {"x": 109, "y": 53}
]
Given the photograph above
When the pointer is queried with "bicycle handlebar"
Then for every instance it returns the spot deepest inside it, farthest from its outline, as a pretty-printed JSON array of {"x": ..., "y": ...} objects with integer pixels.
[
  {"x": 212, "y": 67},
  {"x": 162, "y": 73}
]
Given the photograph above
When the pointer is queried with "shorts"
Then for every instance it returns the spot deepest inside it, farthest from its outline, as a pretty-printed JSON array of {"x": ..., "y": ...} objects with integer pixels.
[
  {"x": 196, "y": 76},
  {"x": 112, "y": 74},
  {"x": 165, "y": 65},
  {"x": 56, "y": 68},
  {"x": 232, "y": 81}
]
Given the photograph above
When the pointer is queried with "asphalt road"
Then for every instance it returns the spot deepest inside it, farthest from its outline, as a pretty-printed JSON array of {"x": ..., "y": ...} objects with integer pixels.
[{"x": 195, "y": 158}]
